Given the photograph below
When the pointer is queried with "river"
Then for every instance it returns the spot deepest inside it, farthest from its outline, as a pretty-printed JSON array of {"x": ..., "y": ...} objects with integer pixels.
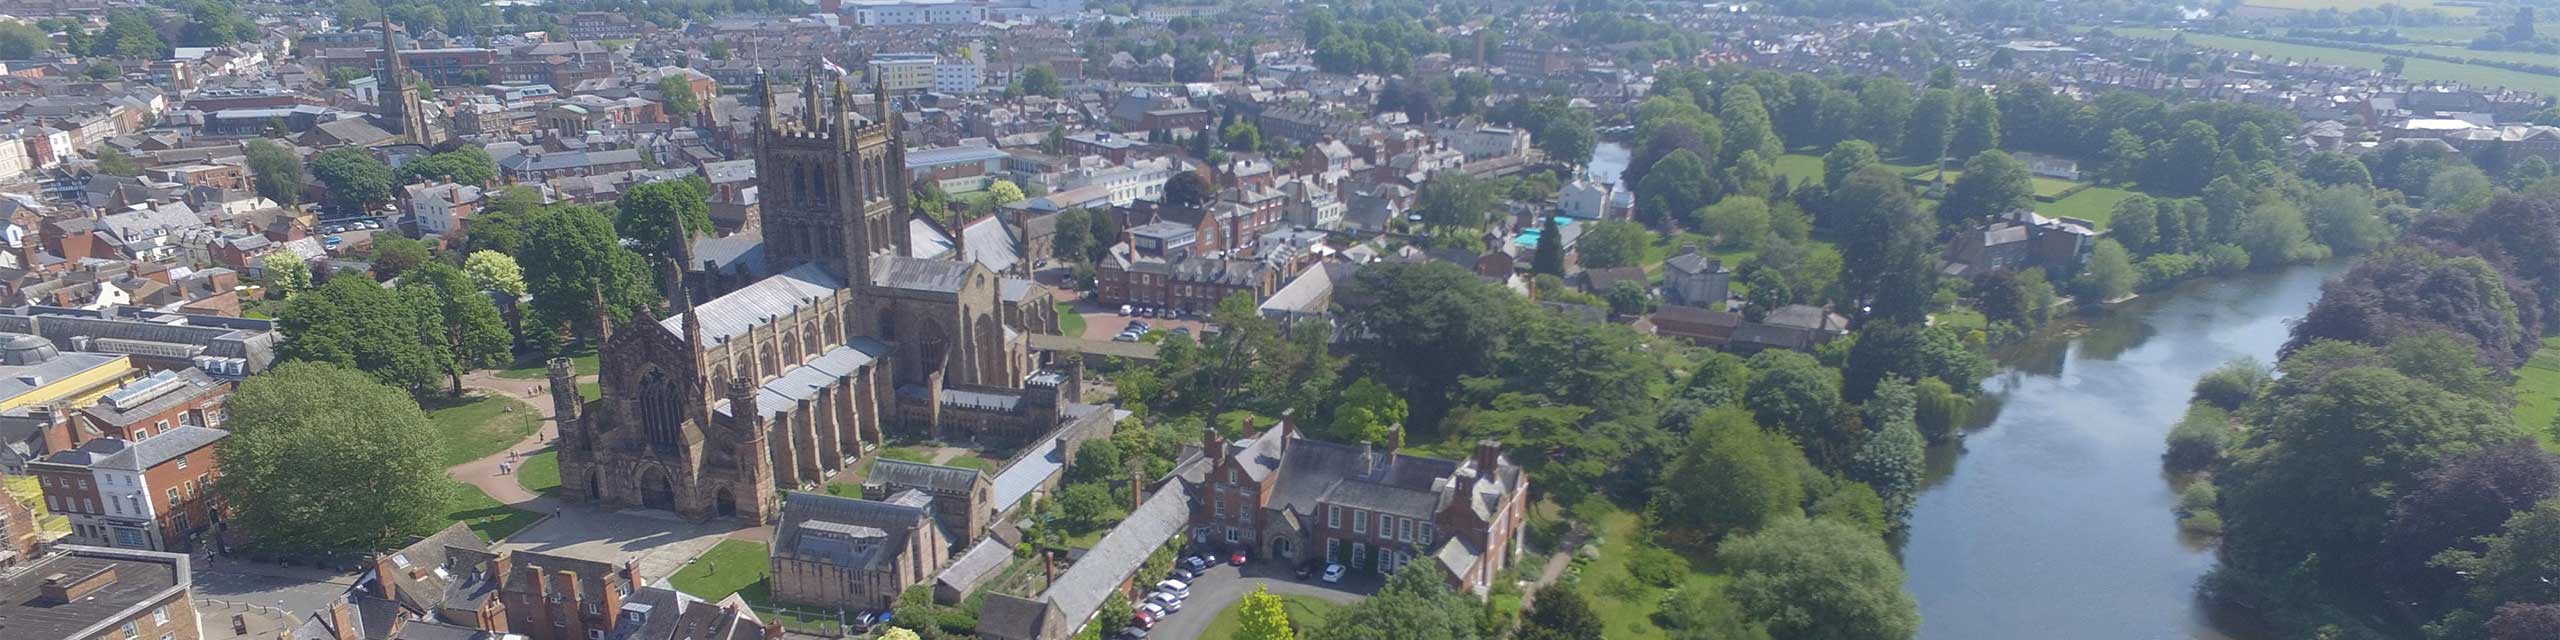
[{"x": 2052, "y": 518}]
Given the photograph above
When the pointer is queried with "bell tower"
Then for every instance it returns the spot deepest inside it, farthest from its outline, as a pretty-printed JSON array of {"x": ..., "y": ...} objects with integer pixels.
[{"x": 832, "y": 189}]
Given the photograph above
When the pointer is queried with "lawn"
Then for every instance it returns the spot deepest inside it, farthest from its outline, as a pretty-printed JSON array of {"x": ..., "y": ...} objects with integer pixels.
[
  {"x": 2351, "y": 5},
  {"x": 540, "y": 473},
  {"x": 1800, "y": 169},
  {"x": 2417, "y": 69},
  {"x": 1627, "y": 604},
  {"x": 2537, "y": 392},
  {"x": 2094, "y": 204},
  {"x": 479, "y": 425},
  {"x": 485, "y": 515},
  {"x": 2051, "y": 187},
  {"x": 536, "y": 367},
  {"x": 1304, "y": 612},
  {"x": 1069, "y": 322},
  {"x": 732, "y": 566}
]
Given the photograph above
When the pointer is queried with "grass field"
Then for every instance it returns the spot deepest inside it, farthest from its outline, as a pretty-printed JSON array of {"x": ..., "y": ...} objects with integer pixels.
[
  {"x": 732, "y": 566},
  {"x": 2050, "y": 187},
  {"x": 478, "y": 425},
  {"x": 485, "y": 515},
  {"x": 2417, "y": 69},
  {"x": 2537, "y": 392},
  {"x": 2465, "y": 32},
  {"x": 1800, "y": 169},
  {"x": 1304, "y": 612},
  {"x": 540, "y": 473},
  {"x": 1625, "y": 603},
  {"x": 1070, "y": 322},
  {"x": 536, "y": 367},
  {"x": 2095, "y": 204}
]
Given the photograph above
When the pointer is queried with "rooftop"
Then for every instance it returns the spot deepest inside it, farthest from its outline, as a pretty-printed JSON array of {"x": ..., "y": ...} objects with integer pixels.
[{"x": 121, "y": 584}]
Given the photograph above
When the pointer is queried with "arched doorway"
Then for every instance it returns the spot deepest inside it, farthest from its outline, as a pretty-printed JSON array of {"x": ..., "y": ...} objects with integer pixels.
[
  {"x": 655, "y": 491},
  {"x": 725, "y": 504},
  {"x": 595, "y": 486},
  {"x": 1284, "y": 548}
]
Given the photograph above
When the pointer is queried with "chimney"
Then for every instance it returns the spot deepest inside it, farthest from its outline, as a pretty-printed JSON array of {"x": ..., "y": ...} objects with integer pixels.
[
  {"x": 342, "y": 619},
  {"x": 1049, "y": 565},
  {"x": 383, "y": 587},
  {"x": 1213, "y": 444},
  {"x": 1488, "y": 458},
  {"x": 63, "y": 588},
  {"x": 1137, "y": 487},
  {"x": 1288, "y": 429},
  {"x": 1366, "y": 458}
]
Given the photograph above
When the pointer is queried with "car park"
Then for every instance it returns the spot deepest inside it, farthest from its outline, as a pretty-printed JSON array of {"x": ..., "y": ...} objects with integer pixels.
[
  {"x": 1196, "y": 563},
  {"x": 1124, "y": 310},
  {"x": 1132, "y": 633},
  {"x": 1169, "y": 601}
]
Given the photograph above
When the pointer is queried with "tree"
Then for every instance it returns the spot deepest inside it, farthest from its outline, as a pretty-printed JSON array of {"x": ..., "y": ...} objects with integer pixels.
[
  {"x": 1244, "y": 137},
  {"x": 357, "y": 472},
  {"x": 471, "y": 329},
  {"x": 1993, "y": 183},
  {"x": 1737, "y": 222},
  {"x": 276, "y": 171},
  {"x": 2135, "y": 223},
  {"x": 1751, "y": 175},
  {"x": 1187, "y": 190},
  {"x": 1088, "y": 505},
  {"x": 895, "y": 633},
  {"x": 2333, "y": 168},
  {"x": 675, "y": 95},
  {"x": 2393, "y": 65},
  {"x": 575, "y": 262},
  {"x": 1040, "y": 80},
  {"x": 359, "y": 324},
  {"x": 1262, "y": 617},
  {"x": 2343, "y": 218},
  {"x": 286, "y": 272},
  {"x": 129, "y": 35},
  {"x": 357, "y": 179},
  {"x": 2468, "y": 498},
  {"x": 1425, "y": 326},
  {"x": 1819, "y": 579},
  {"x": 1561, "y": 614},
  {"x": 1004, "y": 192},
  {"x": 467, "y": 165},
  {"x": 1613, "y": 243},
  {"x": 2408, "y": 290},
  {"x": 2516, "y": 564},
  {"x": 1628, "y": 298},
  {"x": 1705, "y": 613},
  {"x": 1746, "y": 126},
  {"x": 1977, "y": 127},
  {"x": 1844, "y": 159},
  {"x": 646, "y": 216},
  {"x": 1908, "y": 350},
  {"x": 1452, "y": 202},
  {"x": 1732, "y": 477},
  {"x": 2121, "y": 161},
  {"x": 395, "y": 255},
  {"x": 1797, "y": 396},
  {"x": 1894, "y": 457},
  {"x": 115, "y": 162},
  {"x": 1550, "y": 256},
  {"x": 494, "y": 271},
  {"x": 212, "y": 24},
  {"x": 1367, "y": 412},
  {"x": 1883, "y": 236},
  {"x": 2460, "y": 188},
  {"x": 2110, "y": 273},
  {"x": 1415, "y": 604},
  {"x": 1932, "y": 128},
  {"x": 1569, "y": 138},
  {"x": 1673, "y": 187},
  {"x": 22, "y": 41},
  {"x": 2190, "y": 161}
]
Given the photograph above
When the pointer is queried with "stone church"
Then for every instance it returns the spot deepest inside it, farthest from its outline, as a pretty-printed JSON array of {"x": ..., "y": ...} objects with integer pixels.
[{"x": 827, "y": 333}]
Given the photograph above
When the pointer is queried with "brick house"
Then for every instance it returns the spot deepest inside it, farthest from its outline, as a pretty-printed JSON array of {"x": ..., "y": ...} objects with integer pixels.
[
  {"x": 1297, "y": 500},
  {"x": 154, "y": 494}
]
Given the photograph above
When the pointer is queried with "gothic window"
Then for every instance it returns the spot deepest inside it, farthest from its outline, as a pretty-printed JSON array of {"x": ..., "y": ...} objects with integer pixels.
[
  {"x": 661, "y": 410},
  {"x": 888, "y": 326},
  {"x": 809, "y": 341}
]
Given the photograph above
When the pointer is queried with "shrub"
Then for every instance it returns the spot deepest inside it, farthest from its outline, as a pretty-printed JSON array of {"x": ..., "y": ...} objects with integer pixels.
[
  {"x": 2200, "y": 497},
  {"x": 1657, "y": 566},
  {"x": 2163, "y": 269},
  {"x": 2197, "y": 442},
  {"x": 2223, "y": 259},
  {"x": 2233, "y": 384},
  {"x": 2203, "y": 523}
]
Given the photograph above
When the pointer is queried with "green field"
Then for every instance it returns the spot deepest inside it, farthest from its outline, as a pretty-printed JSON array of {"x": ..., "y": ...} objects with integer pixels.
[
  {"x": 2050, "y": 187},
  {"x": 1625, "y": 603},
  {"x": 2417, "y": 69},
  {"x": 1304, "y": 612},
  {"x": 536, "y": 367},
  {"x": 729, "y": 567},
  {"x": 478, "y": 425},
  {"x": 1800, "y": 169},
  {"x": 485, "y": 515},
  {"x": 2464, "y": 32},
  {"x": 540, "y": 473},
  {"x": 1070, "y": 323},
  {"x": 2537, "y": 392},
  {"x": 2351, "y": 5},
  {"x": 2094, "y": 204}
]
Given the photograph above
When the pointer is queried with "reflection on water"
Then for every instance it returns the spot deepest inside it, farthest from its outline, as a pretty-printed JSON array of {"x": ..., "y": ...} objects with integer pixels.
[{"x": 2052, "y": 519}]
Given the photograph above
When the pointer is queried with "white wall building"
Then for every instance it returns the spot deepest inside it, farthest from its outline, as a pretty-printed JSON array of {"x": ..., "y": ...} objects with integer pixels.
[
  {"x": 903, "y": 72},
  {"x": 893, "y": 13}
]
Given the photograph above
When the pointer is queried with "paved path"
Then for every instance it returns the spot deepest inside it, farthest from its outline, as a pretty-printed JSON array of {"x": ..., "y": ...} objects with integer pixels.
[
  {"x": 483, "y": 473},
  {"x": 1223, "y": 587},
  {"x": 1556, "y": 564}
]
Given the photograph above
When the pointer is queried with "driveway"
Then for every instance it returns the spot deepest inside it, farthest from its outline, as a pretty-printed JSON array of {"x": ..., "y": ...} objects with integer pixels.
[{"x": 1223, "y": 586}]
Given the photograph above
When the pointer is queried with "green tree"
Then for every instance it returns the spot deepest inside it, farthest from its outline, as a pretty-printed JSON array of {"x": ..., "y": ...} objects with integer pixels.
[
  {"x": 22, "y": 41},
  {"x": 1941, "y": 408},
  {"x": 1550, "y": 257},
  {"x": 1799, "y": 397},
  {"x": 359, "y": 324},
  {"x": 1884, "y": 237},
  {"x": 1705, "y": 613},
  {"x": 647, "y": 215},
  {"x": 1737, "y": 222},
  {"x": 129, "y": 35},
  {"x": 286, "y": 272},
  {"x": 469, "y": 324},
  {"x": 1423, "y": 327},
  {"x": 357, "y": 472},
  {"x": 2460, "y": 188},
  {"x": 2190, "y": 161},
  {"x": 575, "y": 262},
  {"x": 1993, "y": 183},
  {"x": 1675, "y": 186},
  {"x": 1751, "y": 175},
  {"x": 1894, "y": 456},
  {"x": 1612, "y": 243},
  {"x": 1415, "y": 604},
  {"x": 1569, "y": 138},
  {"x": 1846, "y": 158},
  {"x": 1820, "y": 580},
  {"x": 115, "y": 162},
  {"x": 1746, "y": 126},
  {"x": 1004, "y": 192},
  {"x": 1932, "y": 128},
  {"x": 467, "y": 165},
  {"x": 494, "y": 271},
  {"x": 2135, "y": 223},
  {"x": 2333, "y": 168},
  {"x": 1891, "y": 349},
  {"x": 1561, "y": 614},
  {"x": 676, "y": 97},
  {"x": 215, "y": 24},
  {"x": 276, "y": 172},
  {"x": 1977, "y": 127},
  {"x": 1884, "y": 111},
  {"x": 1367, "y": 412},
  {"x": 1243, "y": 137},
  {"x": 1088, "y": 506},
  {"x": 1261, "y": 616},
  {"x": 395, "y": 255},
  {"x": 357, "y": 179},
  {"x": 2109, "y": 274},
  {"x": 2122, "y": 159},
  {"x": 1732, "y": 476},
  {"x": 1040, "y": 80}
]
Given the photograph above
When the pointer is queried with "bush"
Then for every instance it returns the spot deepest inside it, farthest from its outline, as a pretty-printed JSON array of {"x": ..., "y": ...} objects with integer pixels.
[
  {"x": 2196, "y": 444},
  {"x": 1657, "y": 566},
  {"x": 2233, "y": 384},
  {"x": 2163, "y": 269},
  {"x": 2200, "y": 497},
  {"x": 2224, "y": 259},
  {"x": 2203, "y": 523}
]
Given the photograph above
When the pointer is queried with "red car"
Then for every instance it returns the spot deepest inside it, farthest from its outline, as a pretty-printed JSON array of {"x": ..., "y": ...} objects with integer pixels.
[{"x": 1237, "y": 559}]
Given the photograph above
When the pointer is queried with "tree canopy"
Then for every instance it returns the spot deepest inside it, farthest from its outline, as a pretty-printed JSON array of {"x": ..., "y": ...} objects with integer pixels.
[{"x": 355, "y": 473}]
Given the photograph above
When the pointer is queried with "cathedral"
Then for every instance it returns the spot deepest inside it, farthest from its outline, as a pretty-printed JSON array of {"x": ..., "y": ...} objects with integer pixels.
[{"x": 826, "y": 334}]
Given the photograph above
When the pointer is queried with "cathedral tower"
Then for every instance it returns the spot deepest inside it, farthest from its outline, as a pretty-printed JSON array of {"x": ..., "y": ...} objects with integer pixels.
[{"x": 832, "y": 191}]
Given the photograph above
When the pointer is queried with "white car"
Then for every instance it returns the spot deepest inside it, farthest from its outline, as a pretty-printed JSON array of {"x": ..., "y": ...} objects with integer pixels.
[
  {"x": 1176, "y": 587},
  {"x": 1333, "y": 573},
  {"x": 1124, "y": 310},
  {"x": 1167, "y": 600},
  {"x": 1153, "y": 610}
]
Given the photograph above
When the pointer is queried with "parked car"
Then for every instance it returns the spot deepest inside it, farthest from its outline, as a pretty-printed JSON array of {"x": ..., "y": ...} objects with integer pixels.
[
  {"x": 1184, "y": 575},
  {"x": 1153, "y": 610},
  {"x": 1196, "y": 563},
  {"x": 1124, "y": 310},
  {"x": 1332, "y": 573},
  {"x": 1167, "y": 600},
  {"x": 1236, "y": 559},
  {"x": 1176, "y": 587},
  {"x": 1132, "y": 633}
]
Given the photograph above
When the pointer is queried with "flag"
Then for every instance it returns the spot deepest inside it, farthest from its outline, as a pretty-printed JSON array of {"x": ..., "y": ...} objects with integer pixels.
[{"x": 830, "y": 65}]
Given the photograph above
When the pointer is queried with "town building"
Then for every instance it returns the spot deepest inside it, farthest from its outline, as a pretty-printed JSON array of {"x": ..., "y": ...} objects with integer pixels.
[
  {"x": 90, "y": 593},
  {"x": 154, "y": 494},
  {"x": 855, "y": 554},
  {"x": 962, "y": 498}
]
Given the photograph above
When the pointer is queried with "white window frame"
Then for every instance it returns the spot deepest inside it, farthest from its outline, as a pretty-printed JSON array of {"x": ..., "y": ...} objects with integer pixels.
[
  {"x": 1332, "y": 550},
  {"x": 160, "y": 615},
  {"x": 1359, "y": 554},
  {"x": 1427, "y": 534},
  {"x": 1359, "y": 521},
  {"x": 1332, "y": 516}
]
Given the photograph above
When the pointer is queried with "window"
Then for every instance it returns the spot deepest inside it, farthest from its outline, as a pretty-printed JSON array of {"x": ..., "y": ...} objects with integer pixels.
[
  {"x": 1359, "y": 522},
  {"x": 1332, "y": 517},
  {"x": 173, "y": 495},
  {"x": 1222, "y": 506},
  {"x": 191, "y": 489},
  {"x": 595, "y": 634},
  {"x": 141, "y": 433},
  {"x": 1427, "y": 535},
  {"x": 1359, "y": 554},
  {"x": 1234, "y": 535},
  {"x": 84, "y": 484},
  {"x": 182, "y": 462},
  {"x": 1332, "y": 550},
  {"x": 131, "y": 538},
  {"x": 1404, "y": 529},
  {"x": 160, "y": 615},
  {"x": 162, "y": 425},
  {"x": 132, "y": 629}
]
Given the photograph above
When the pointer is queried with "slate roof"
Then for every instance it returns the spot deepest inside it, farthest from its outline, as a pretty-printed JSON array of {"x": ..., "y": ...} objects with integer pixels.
[
  {"x": 741, "y": 311},
  {"x": 974, "y": 566},
  {"x": 181, "y": 386},
  {"x": 913, "y": 274},
  {"x": 142, "y": 578},
  {"x": 1694, "y": 263},
  {"x": 989, "y": 243},
  {"x": 1008, "y": 616},
  {"x": 917, "y": 474},
  {"x": 803, "y": 381},
  {"x": 429, "y": 589},
  {"x": 847, "y": 532},
  {"x": 1080, "y": 590},
  {"x": 159, "y": 448}
]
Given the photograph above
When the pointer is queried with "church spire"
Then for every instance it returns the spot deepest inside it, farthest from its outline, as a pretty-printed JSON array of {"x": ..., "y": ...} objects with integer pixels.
[
  {"x": 809, "y": 101},
  {"x": 393, "y": 84},
  {"x": 764, "y": 87}
]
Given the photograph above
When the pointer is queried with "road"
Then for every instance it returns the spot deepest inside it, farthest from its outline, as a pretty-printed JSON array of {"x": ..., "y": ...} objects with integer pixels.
[{"x": 1222, "y": 587}]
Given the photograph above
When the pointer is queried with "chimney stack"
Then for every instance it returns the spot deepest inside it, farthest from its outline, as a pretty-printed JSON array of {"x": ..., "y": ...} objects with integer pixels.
[
  {"x": 383, "y": 569},
  {"x": 342, "y": 620},
  {"x": 1366, "y": 458}
]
